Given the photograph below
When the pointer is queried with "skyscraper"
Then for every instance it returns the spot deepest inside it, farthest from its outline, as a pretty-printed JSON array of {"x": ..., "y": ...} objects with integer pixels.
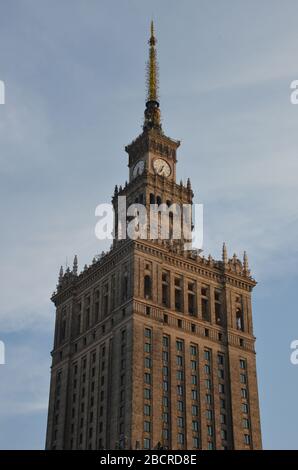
[{"x": 154, "y": 343}]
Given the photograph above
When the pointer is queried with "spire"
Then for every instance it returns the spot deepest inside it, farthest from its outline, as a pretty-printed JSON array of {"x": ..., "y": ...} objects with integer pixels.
[
  {"x": 245, "y": 262},
  {"x": 152, "y": 69},
  {"x": 60, "y": 275},
  {"x": 75, "y": 265},
  {"x": 152, "y": 112},
  {"x": 224, "y": 254}
]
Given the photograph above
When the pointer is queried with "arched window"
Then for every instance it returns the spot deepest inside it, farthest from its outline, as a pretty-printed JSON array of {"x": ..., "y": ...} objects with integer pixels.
[
  {"x": 147, "y": 287},
  {"x": 239, "y": 319},
  {"x": 152, "y": 199}
]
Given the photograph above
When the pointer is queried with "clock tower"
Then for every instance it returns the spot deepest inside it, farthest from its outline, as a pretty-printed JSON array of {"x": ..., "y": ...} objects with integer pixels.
[{"x": 154, "y": 343}]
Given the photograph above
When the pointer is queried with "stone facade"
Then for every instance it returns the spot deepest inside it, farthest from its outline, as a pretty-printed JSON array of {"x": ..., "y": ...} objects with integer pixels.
[{"x": 154, "y": 344}]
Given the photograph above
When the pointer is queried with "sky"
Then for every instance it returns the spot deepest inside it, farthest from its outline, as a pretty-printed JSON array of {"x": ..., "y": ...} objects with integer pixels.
[{"x": 74, "y": 74}]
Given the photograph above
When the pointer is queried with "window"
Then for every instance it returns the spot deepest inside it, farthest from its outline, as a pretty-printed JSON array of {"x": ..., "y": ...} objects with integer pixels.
[
  {"x": 210, "y": 430},
  {"x": 193, "y": 365},
  {"x": 195, "y": 442},
  {"x": 147, "y": 287},
  {"x": 147, "y": 347},
  {"x": 165, "y": 289},
  {"x": 220, "y": 359},
  {"x": 207, "y": 369},
  {"x": 242, "y": 364},
  {"x": 193, "y": 350},
  {"x": 180, "y": 405},
  {"x": 245, "y": 423},
  {"x": 194, "y": 380},
  {"x": 165, "y": 385},
  {"x": 223, "y": 434},
  {"x": 147, "y": 332},
  {"x": 180, "y": 422},
  {"x": 222, "y": 418},
  {"x": 223, "y": 403},
  {"x": 247, "y": 439},
  {"x": 208, "y": 399},
  {"x": 178, "y": 294},
  {"x": 165, "y": 371},
  {"x": 147, "y": 426},
  {"x": 195, "y": 426},
  {"x": 147, "y": 378},
  {"x": 209, "y": 415},
  {"x": 239, "y": 319},
  {"x": 147, "y": 443},
  {"x": 165, "y": 341},
  {"x": 165, "y": 402},
  {"x": 194, "y": 410},
  {"x": 147, "y": 410},
  {"x": 243, "y": 378},
  {"x": 221, "y": 373},
  {"x": 147, "y": 362},
  {"x": 217, "y": 307},
  {"x": 165, "y": 434},
  {"x": 243, "y": 392},
  {"x": 205, "y": 304},
  {"x": 208, "y": 383},
  {"x": 194, "y": 394},
  {"x": 147, "y": 393},
  {"x": 244, "y": 408},
  {"x": 179, "y": 390},
  {"x": 221, "y": 388},
  {"x": 179, "y": 345},
  {"x": 180, "y": 438},
  {"x": 179, "y": 361},
  {"x": 210, "y": 445},
  {"x": 179, "y": 375},
  {"x": 165, "y": 356},
  {"x": 165, "y": 417},
  {"x": 207, "y": 355}
]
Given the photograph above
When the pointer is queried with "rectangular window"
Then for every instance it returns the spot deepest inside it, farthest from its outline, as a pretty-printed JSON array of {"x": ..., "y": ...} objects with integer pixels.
[
  {"x": 195, "y": 442},
  {"x": 180, "y": 422},
  {"x": 147, "y": 426},
  {"x": 180, "y": 438},
  {"x": 243, "y": 392},
  {"x": 242, "y": 364},
  {"x": 247, "y": 439},
  {"x": 147, "y": 333},
  {"x": 147, "y": 443},
  {"x": 179, "y": 361},
  {"x": 209, "y": 415},
  {"x": 194, "y": 410},
  {"x": 243, "y": 378},
  {"x": 210, "y": 430},
  {"x": 147, "y": 410},
  {"x": 179, "y": 345},
  {"x": 193, "y": 350},
  {"x": 165, "y": 341},
  {"x": 195, "y": 426},
  {"x": 194, "y": 394},
  {"x": 221, "y": 388},
  {"x": 147, "y": 362},
  {"x": 147, "y": 393},
  {"x": 147, "y": 347},
  {"x": 244, "y": 407},
  {"x": 180, "y": 405},
  {"x": 245, "y": 423},
  {"x": 147, "y": 378},
  {"x": 194, "y": 380},
  {"x": 207, "y": 355}
]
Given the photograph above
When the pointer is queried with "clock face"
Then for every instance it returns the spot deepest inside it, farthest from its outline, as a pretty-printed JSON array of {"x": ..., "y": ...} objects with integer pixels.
[
  {"x": 161, "y": 167},
  {"x": 138, "y": 168}
]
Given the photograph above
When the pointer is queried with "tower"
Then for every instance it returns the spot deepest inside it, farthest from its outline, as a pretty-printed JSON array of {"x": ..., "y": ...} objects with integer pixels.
[{"x": 154, "y": 343}]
